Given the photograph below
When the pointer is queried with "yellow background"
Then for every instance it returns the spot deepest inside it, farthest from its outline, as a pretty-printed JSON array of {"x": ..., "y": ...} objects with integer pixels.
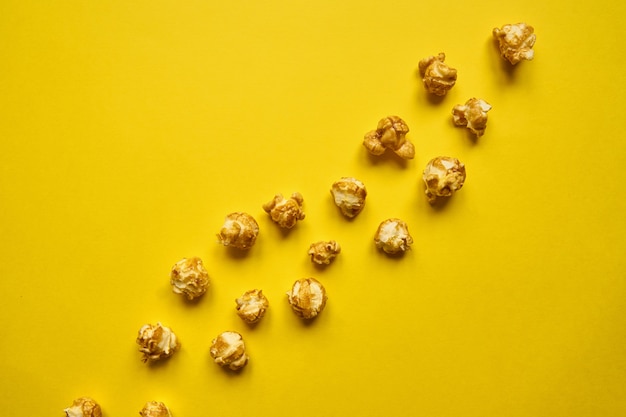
[{"x": 129, "y": 129}]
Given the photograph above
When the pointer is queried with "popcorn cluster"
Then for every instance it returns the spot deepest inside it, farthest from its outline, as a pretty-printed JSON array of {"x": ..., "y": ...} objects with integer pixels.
[{"x": 442, "y": 177}]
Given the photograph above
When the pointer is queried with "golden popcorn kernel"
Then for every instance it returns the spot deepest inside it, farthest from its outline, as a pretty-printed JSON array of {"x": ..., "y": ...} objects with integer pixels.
[
  {"x": 516, "y": 42},
  {"x": 156, "y": 342},
  {"x": 349, "y": 195},
  {"x": 188, "y": 277},
  {"x": 323, "y": 252},
  {"x": 229, "y": 350},
  {"x": 83, "y": 407},
  {"x": 252, "y": 305},
  {"x": 285, "y": 211},
  {"x": 443, "y": 176},
  {"x": 240, "y": 231},
  {"x": 392, "y": 236},
  {"x": 307, "y": 298},
  {"x": 437, "y": 76},
  {"x": 473, "y": 115},
  {"x": 155, "y": 409},
  {"x": 390, "y": 133}
]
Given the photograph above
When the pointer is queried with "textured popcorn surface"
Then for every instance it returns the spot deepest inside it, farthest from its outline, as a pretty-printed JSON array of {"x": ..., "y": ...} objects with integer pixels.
[
  {"x": 516, "y": 42},
  {"x": 390, "y": 133},
  {"x": 157, "y": 342},
  {"x": 189, "y": 278},
  {"x": 472, "y": 114},
  {"x": 443, "y": 176},
  {"x": 252, "y": 305},
  {"x": 307, "y": 298},
  {"x": 83, "y": 407},
  {"x": 437, "y": 76},
  {"x": 229, "y": 350},
  {"x": 155, "y": 409},
  {"x": 285, "y": 212},
  {"x": 349, "y": 195},
  {"x": 392, "y": 236},
  {"x": 240, "y": 230}
]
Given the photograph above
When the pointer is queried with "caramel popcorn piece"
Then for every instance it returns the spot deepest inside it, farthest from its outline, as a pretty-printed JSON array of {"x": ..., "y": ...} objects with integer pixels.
[
  {"x": 229, "y": 350},
  {"x": 251, "y": 306},
  {"x": 240, "y": 231},
  {"x": 393, "y": 236},
  {"x": 390, "y": 134},
  {"x": 188, "y": 277},
  {"x": 438, "y": 77},
  {"x": 443, "y": 176},
  {"x": 473, "y": 115},
  {"x": 307, "y": 298},
  {"x": 323, "y": 252},
  {"x": 285, "y": 211},
  {"x": 155, "y": 409},
  {"x": 516, "y": 42},
  {"x": 83, "y": 407},
  {"x": 349, "y": 195},
  {"x": 156, "y": 342}
]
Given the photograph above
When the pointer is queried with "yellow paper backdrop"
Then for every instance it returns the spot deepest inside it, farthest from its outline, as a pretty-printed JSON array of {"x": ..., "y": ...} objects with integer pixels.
[{"x": 129, "y": 129}]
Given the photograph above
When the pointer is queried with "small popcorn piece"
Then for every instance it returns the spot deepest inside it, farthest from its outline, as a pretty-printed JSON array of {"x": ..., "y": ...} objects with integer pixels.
[
  {"x": 323, "y": 252},
  {"x": 473, "y": 115},
  {"x": 349, "y": 195},
  {"x": 443, "y": 176},
  {"x": 188, "y": 277},
  {"x": 390, "y": 134},
  {"x": 438, "y": 77},
  {"x": 155, "y": 409},
  {"x": 83, "y": 407},
  {"x": 516, "y": 42},
  {"x": 307, "y": 298},
  {"x": 393, "y": 236},
  {"x": 229, "y": 350},
  {"x": 240, "y": 231},
  {"x": 157, "y": 342},
  {"x": 252, "y": 305},
  {"x": 285, "y": 211}
]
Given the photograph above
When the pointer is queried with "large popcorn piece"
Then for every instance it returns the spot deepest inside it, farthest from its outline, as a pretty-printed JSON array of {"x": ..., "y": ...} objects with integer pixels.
[
  {"x": 323, "y": 252},
  {"x": 83, "y": 407},
  {"x": 516, "y": 42},
  {"x": 155, "y": 409},
  {"x": 473, "y": 115},
  {"x": 188, "y": 277},
  {"x": 443, "y": 176},
  {"x": 285, "y": 211},
  {"x": 251, "y": 306},
  {"x": 393, "y": 236},
  {"x": 228, "y": 350},
  {"x": 349, "y": 195},
  {"x": 240, "y": 231},
  {"x": 307, "y": 298},
  {"x": 156, "y": 342},
  {"x": 437, "y": 76},
  {"x": 390, "y": 134}
]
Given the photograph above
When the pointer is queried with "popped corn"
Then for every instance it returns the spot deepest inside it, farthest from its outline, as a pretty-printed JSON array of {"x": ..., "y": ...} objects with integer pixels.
[
  {"x": 390, "y": 133},
  {"x": 240, "y": 231},
  {"x": 285, "y": 211},
  {"x": 323, "y": 252},
  {"x": 349, "y": 195},
  {"x": 392, "y": 236},
  {"x": 516, "y": 42},
  {"x": 155, "y": 409},
  {"x": 473, "y": 115},
  {"x": 229, "y": 350},
  {"x": 157, "y": 342},
  {"x": 443, "y": 176},
  {"x": 252, "y": 305},
  {"x": 189, "y": 277},
  {"x": 437, "y": 76},
  {"x": 307, "y": 298},
  {"x": 83, "y": 407}
]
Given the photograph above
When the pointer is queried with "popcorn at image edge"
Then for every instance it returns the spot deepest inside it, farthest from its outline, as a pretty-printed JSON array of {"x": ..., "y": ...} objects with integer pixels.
[{"x": 83, "y": 407}]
